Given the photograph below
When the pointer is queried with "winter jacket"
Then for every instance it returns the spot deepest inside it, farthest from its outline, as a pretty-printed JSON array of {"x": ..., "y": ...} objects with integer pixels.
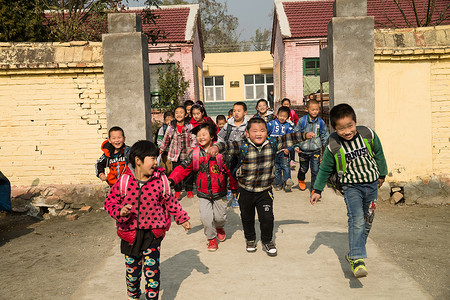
[
  {"x": 235, "y": 133},
  {"x": 148, "y": 203},
  {"x": 319, "y": 128},
  {"x": 179, "y": 144},
  {"x": 116, "y": 162},
  {"x": 293, "y": 117},
  {"x": 211, "y": 181}
]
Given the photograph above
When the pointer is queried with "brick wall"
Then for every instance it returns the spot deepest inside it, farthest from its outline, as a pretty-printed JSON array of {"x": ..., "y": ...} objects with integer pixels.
[{"x": 53, "y": 112}]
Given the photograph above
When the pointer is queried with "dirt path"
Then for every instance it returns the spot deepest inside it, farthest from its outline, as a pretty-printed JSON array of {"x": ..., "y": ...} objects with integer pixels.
[{"x": 50, "y": 259}]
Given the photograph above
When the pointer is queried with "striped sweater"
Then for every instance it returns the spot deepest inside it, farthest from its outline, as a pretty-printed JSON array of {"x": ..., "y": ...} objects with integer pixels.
[{"x": 361, "y": 166}]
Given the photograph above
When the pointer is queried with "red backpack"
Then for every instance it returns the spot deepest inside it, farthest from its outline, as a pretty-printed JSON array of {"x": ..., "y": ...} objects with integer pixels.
[{"x": 196, "y": 159}]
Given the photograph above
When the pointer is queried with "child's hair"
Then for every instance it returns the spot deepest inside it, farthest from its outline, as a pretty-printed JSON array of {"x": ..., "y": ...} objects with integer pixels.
[
  {"x": 341, "y": 111},
  {"x": 115, "y": 128},
  {"x": 230, "y": 112},
  {"x": 284, "y": 109},
  {"x": 312, "y": 101},
  {"x": 285, "y": 99},
  {"x": 259, "y": 101},
  {"x": 199, "y": 105},
  {"x": 168, "y": 114},
  {"x": 212, "y": 128},
  {"x": 244, "y": 106},
  {"x": 220, "y": 117},
  {"x": 255, "y": 121},
  {"x": 314, "y": 96},
  {"x": 188, "y": 102},
  {"x": 142, "y": 149}
]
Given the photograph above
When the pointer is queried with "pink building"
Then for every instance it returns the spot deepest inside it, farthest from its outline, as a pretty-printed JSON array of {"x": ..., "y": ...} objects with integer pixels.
[{"x": 181, "y": 42}]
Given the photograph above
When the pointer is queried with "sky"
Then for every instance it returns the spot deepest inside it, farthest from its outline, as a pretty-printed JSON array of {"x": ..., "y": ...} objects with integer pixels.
[{"x": 252, "y": 14}]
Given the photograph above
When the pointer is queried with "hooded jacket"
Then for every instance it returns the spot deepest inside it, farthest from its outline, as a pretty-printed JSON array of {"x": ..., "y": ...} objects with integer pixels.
[
  {"x": 237, "y": 133},
  {"x": 116, "y": 162}
]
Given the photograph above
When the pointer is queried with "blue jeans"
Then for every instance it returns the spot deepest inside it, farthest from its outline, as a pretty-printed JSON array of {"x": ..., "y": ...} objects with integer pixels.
[
  {"x": 282, "y": 168},
  {"x": 307, "y": 159},
  {"x": 360, "y": 199}
]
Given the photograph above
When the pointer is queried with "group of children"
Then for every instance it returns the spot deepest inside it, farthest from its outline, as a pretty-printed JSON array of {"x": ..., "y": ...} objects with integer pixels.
[{"x": 247, "y": 157}]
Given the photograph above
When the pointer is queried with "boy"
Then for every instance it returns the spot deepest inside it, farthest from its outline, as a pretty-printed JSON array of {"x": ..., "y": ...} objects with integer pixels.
[
  {"x": 294, "y": 119},
  {"x": 230, "y": 114},
  {"x": 275, "y": 128},
  {"x": 115, "y": 156},
  {"x": 221, "y": 121},
  {"x": 188, "y": 105},
  {"x": 166, "y": 164},
  {"x": 309, "y": 151},
  {"x": 255, "y": 177},
  {"x": 363, "y": 173},
  {"x": 234, "y": 130}
]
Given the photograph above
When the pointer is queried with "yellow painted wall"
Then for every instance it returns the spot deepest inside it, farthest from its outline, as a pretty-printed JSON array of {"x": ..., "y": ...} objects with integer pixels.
[{"x": 233, "y": 66}]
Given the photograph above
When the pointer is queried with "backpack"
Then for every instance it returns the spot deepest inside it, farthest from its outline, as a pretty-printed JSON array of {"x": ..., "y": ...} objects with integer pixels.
[
  {"x": 305, "y": 120},
  {"x": 196, "y": 160},
  {"x": 164, "y": 125},
  {"x": 234, "y": 166},
  {"x": 123, "y": 183},
  {"x": 335, "y": 147}
]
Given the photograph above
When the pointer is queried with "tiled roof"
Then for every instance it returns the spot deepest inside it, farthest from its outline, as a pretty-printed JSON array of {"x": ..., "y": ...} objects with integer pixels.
[{"x": 310, "y": 18}]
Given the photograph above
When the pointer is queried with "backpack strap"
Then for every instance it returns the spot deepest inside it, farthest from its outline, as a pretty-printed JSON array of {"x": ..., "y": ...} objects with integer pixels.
[
  {"x": 166, "y": 185},
  {"x": 219, "y": 160},
  {"x": 334, "y": 145},
  {"x": 368, "y": 136},
  {"x": 196, "y": 159},
  {"x": 123, "y": 183},
  {"x": 303, "y": 123},
  {"x": 229, "y": 130},
  {"x": 273, "y": 143}
]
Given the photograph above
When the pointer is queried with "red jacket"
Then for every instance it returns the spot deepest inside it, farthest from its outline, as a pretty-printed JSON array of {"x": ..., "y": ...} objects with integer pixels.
[
  {"x": 117, "y": 163},
  {"x": 149, "y": 204},
  {"x": 211, "y": 181},
  {"x": 207, "y": 119}
]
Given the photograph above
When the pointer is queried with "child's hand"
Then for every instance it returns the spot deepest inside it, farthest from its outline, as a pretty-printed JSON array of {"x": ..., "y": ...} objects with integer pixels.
[
  {"x": 213, "y": 150},
  {"x": 126, "y": 210},
  {"x": 298, "y": 150},
  {"x": 186, "y": 225},
  {"x": 310, "y": 135},
  {"x": 314, "y": 198},
  {"x": 380, "y": 182},
  {"x": 102, "y": 177},
  {"x": 286, "y": 151},
  {"x": 161, "y": 152}
]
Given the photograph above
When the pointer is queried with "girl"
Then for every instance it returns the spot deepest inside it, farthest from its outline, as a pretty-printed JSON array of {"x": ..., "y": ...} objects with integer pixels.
[
  {"x": 140, "y": 201},
  {"x": 180, "y": 141},
  {"x": 293, "y": 118},
  {"x": 199, "y": 115},
  {"x": 263, "y": 112},
  {"x": 211, "y": 184}
]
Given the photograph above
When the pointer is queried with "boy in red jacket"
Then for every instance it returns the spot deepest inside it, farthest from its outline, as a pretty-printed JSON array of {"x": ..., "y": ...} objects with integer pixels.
[{"x": 211, "y": 184}]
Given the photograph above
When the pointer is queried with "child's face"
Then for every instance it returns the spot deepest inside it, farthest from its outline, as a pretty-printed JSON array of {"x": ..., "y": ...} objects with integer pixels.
[
  {"x": 257, "y": 133},
  {"x": 197, "y": 115},
  {"x": 313, "y": 110},
  {"x": 146, "y": 167},
  {"x": 230, "y": 114},
  {"x": 180, "y": 115},
  {"x": 188, "y": 110},
  {"x": 238, "y": 113},
  {"x": 203, "y": 138},
  {"x": 168, "y": 119},
  {"x": 221, "y": 123},
  {"x": 116, "y": 139},
  {"x": 262, "y": 107},
  {"x": 346, "y": 128},
  {"x": 286, "y": 103},
  {"x": 282, "y": 117}
]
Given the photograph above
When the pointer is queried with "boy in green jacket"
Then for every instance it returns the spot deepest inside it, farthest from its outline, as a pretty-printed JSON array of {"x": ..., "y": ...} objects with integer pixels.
[{"x": 357, "y": 156}]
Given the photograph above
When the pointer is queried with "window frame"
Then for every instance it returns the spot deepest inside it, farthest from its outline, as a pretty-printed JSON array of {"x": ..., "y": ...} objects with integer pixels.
[
  {"x": 316, "y": 61},
  {"x": 265, "y": 84},
  {"x": 214, "y": 86}
]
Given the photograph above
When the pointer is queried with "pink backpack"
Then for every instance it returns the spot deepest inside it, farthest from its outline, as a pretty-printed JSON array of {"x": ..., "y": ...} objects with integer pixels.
[{"x": 196, "y": 159}]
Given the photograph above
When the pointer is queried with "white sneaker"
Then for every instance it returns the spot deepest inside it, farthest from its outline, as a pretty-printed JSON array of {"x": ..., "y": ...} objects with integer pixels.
[{"x": 270, "y": 248}]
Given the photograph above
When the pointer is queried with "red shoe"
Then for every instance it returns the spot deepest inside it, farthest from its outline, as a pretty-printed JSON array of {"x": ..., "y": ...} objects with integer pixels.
[
  {"x": 178, "y": 195},
  {"x": 190, "y": 194},
  {"x": 221, "y": 234},
  {"x": 212, "y": 245}
]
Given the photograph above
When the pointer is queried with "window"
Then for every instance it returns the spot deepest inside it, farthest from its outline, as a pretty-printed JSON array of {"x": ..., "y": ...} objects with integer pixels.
[
  {"x": 257, "y": 86},
  {"x": 311, "y": 67},
  {"x": 214, "y": 88},
  {"x": 154, "y": 85}
]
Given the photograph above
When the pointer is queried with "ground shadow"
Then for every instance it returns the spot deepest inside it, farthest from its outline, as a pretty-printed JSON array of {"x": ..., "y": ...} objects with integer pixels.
[
  {"x": 14, "y": 225},
  {"x": 338, "y": 241},
  {"x": 176, "y": 269}
]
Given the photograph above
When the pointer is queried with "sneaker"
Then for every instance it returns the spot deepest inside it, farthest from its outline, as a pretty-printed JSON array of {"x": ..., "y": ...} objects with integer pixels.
[
  {"x": 190, "y": 194},
  {"x": 302, "y": 185},
  {"x": 270, "y": 248},
  {"x": 293, "y": 165},
  {"x": 178, "y": 195},
  {"x": 212, "y": 245},
  {"x": 288, "y": 185},
  {"x": 221, "y": 234},
  {"x": 251, "y": 246},
  {"x": 358, "y": 266},
  {"x": 235, "y": 203}
]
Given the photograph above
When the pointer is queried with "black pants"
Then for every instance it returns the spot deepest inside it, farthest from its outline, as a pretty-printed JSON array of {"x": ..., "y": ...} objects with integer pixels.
[
  {"x": 188, "y": 182},
  {"x": 263, "y": 203}
]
